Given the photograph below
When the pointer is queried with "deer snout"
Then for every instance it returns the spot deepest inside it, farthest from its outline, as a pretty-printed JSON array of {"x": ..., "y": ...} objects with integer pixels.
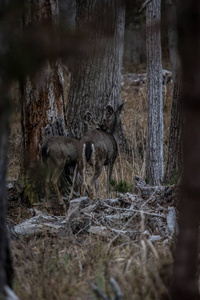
[{"x": 103, "y": 125}]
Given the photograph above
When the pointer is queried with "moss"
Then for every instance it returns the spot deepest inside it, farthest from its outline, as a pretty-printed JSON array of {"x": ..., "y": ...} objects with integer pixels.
[
  {"x": 28, "y": 190},
  {"x": 121, "y": 186}
]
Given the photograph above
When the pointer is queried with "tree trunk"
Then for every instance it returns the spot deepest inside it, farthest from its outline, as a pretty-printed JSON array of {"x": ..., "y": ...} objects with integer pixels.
[
  {"x": 42, "y": 102},
  {"x": 6, "y": 271},
  {"x": 175, "y": 155},
  {"x": 96, "y": 75},
  {"x": 67, "y": 13},
  {"x": 154, "y": 139},
  {"x": 185, "y": 283},
  {"x": 42, "y": 109}
]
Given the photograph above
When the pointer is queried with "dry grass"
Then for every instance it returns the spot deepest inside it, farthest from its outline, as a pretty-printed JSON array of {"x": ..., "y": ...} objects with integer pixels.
[{"x": 60, "y": 268}]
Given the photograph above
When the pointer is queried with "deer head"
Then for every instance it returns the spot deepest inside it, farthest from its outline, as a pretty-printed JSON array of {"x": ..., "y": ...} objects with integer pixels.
[
  {"x": 90, "y": 123},
  {"x": 112, "y": 119}
]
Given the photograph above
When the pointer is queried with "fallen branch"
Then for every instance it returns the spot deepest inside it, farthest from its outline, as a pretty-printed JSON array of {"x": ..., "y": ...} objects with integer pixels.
[
  {"x": 97, "y": 291},
  {"x": 115, "y": 288},
  {"x": 136, "y": 211},
  {"x": 10, "y": 295},
  {"x": 144, "y": 5}
]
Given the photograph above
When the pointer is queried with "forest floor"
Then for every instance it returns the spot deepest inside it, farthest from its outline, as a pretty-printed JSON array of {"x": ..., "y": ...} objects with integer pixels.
[
  {"x": 52, "y": 265},
  {"x": 129, "y": 238}
]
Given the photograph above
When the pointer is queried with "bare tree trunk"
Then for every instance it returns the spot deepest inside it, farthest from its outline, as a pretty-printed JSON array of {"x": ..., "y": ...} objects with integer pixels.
[
  {"x": 96, "y": 76},
  {"x": 42, "y": 108},
  {"x": 175, "y": 153},
  {"x": 67, "y": 13},
  {"x": 154, "y": 139},
  {"x": 185, "y": 276},
  {"x": 6, "y": 271},
  {"x": 42, "y": 101}
]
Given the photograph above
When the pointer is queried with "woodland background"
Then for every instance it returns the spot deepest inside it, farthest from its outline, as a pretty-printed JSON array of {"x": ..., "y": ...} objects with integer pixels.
[{"x": 62, "y": 265}]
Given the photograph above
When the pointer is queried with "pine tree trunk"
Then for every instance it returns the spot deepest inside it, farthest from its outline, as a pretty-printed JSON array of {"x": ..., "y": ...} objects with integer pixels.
[
  {"x": 175, "y": 155},
  {"x": 42, "y": 102},
  {"x": 96, "y": 76},
  {"x": 154, "y": 139}
]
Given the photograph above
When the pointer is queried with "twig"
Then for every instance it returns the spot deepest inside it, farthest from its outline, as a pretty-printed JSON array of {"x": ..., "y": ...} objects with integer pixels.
[
  {"x": 10, "y": 295},
  {"x": 116, "y": 287},
  {"x": 97, "y": 291},
  {"x": 144, "y": 256},
  {"x": 134, "y": 210},
  {"x": 142, "y": 222},
  {"x": 144, "y": 5},
  {"x": 82, "y": 229},
  {"x": 153, "y": 249},
  {"x": 119, "y": 233}
]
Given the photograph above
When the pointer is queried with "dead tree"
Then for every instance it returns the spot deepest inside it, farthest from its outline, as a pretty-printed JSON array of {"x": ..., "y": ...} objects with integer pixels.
[{"x": 154, "y": 139}]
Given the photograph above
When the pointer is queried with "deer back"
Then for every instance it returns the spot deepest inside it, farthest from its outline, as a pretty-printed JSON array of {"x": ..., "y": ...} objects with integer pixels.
[
  {"x": 104, "y": 143},
  {"x": 60, "y": 148},
  {"x": 104, "y": 138}
]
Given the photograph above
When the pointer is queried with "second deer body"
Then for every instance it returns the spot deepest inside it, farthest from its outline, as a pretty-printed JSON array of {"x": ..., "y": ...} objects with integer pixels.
[
  {"x": 58, "y": 151},
  {"x": 99, "y": 148}
]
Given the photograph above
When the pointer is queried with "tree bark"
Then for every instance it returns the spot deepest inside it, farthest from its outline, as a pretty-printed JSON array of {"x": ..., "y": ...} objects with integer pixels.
[
  {"x": 185, "y": 283},
  {"x": 175, "y": 153},
  {"x": 42, "y": 105},
  {"x": 67, "y": 13},
  {"x": 42, "y": 100},
  {"x": 6, "y": 271},
  {"x": 96, "y": 75},
  {"x": 154, "y": 139}
]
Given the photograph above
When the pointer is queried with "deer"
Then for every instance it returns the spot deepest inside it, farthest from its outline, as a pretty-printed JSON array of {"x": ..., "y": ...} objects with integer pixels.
[
  {"x": 59, "y": 151},
  {"x": 99, "y": 148}
]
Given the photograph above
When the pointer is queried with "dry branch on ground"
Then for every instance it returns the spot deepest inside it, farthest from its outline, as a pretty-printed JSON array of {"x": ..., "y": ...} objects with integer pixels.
[{"x": 118, "y": 218}]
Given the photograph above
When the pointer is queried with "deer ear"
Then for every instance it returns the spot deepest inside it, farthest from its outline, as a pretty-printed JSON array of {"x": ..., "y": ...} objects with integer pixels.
[
  {"x": 109, "y": 111},
  {"x": 88, "y": 118},
  {"x": 120, "y": 108}
]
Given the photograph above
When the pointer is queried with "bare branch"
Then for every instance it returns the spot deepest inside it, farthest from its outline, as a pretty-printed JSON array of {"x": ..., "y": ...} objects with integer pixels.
[
  {"x": 144, "y": 5},
  {"x": 133, "y": 210},
  {"x": 98, "y": 293},
  {"x": 116, "y": 288}
]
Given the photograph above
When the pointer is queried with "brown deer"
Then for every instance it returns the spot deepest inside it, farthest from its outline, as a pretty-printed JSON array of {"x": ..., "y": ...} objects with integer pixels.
[
  {"x": 58, "y": 151},
  {"x": 99, "y": 148}
]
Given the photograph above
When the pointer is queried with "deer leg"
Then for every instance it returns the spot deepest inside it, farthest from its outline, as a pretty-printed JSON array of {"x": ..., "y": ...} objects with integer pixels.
[
  {"x": 84, "y": 184},
  {"x": 73, "y": 182},
  {"x": 54, "y": 181},
  {"x": 48, "y": 204},
  {"x": 47, "y": 184},
  {"x": 109, "y": 174},
  {"x": 93, "y": 182}
]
